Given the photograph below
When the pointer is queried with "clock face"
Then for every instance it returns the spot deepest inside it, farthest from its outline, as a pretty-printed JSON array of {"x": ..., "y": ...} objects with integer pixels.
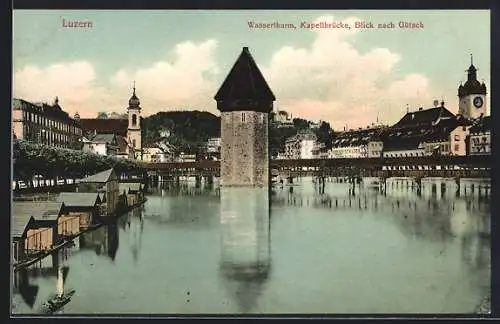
[{"x": 478, "y": 102}]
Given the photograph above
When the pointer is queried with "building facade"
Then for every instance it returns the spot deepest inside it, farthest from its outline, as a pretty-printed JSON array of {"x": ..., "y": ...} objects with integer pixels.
[
  {"x": 301, "y": 146},
  {"x": 479, "y": 141},
  {"x": 105, "y": 182},
  {"x": 245, "y": 101},
  {"x": 45, "y": 124}
]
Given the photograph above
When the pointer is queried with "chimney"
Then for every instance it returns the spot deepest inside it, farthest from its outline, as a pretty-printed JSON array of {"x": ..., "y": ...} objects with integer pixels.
[
  {"x": 422, "y": 108},
  {"x": 436, "y": 103},
  {"x": 442, "y": 104}
]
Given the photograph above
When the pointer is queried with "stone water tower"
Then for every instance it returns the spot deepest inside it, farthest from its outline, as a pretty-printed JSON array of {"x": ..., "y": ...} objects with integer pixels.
[{"x": 245, "y": 101}]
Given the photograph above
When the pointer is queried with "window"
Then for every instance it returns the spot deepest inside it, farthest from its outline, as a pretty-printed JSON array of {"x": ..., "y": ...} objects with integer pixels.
[
  {"x": 133, "y": 141},
  {"x": 134, "y": 120},
  {"x": 457, "y": 137},
  {"x": 243, "y": 117},
  {"x": 457, "y": 147}
]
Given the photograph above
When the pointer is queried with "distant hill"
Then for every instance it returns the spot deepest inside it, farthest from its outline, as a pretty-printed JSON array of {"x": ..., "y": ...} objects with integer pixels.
[{"x": 187, "y": 128}]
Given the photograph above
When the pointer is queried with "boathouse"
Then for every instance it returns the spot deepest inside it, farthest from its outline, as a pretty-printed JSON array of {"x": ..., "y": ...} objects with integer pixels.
[
  {"x": 133, "y": 192},
  {"x": 45, "y": 225},
  {"x": 103, "y": 182},
  {"x": 84, "y": 205},
  {"x": 21, "y": 224}
]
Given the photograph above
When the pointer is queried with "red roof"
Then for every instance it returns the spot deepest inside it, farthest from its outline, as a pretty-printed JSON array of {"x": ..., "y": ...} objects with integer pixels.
[{"x": 105, "y": 126}]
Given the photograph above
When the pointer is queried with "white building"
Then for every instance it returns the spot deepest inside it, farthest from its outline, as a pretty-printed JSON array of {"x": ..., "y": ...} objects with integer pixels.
[
  {"x": 300, "y": 146},
  {"x": 213, "y": 145},
  {"x": 101, "y": 145},
  {"x": 282, "y": 119}
]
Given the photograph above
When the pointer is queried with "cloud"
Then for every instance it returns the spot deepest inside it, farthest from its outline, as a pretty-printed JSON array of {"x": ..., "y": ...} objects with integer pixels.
[
  {"x": 72, "y": 81},
  {"x": 329, "y": 80},
  {"x": 186, "y": 81},
  {"x": 332, "y": 80}
]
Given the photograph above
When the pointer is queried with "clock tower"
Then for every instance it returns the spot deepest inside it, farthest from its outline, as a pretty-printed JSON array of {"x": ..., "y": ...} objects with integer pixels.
[
  {"x": 134, "y": 125},
  {"x": 472, "y": 95}
]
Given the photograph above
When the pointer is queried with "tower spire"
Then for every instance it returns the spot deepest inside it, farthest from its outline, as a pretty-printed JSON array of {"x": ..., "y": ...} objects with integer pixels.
[
  {"x": 134, "y": 87},
  {"x": 471, "y": 59}
]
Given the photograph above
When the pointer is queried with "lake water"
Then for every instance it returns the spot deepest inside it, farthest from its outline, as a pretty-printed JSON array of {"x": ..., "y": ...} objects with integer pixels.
[{"x": 304, "y": 248}]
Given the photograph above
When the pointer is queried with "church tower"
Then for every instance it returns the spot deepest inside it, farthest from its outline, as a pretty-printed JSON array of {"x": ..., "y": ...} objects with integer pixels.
[
  {"x": 134, "y": 124},
  {"x": 245, "y": 101},
  {"x": 472, "y": 95}
]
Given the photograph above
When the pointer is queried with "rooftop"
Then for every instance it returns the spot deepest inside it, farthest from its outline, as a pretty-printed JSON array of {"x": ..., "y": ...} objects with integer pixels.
[
  {"x": 101, "y": 177},
  {"x": 22, "y": 211},
  {"x": 53, "y": 111},
  {"x": 78, "y": 199},
  {"x": 424, "y": 117}
]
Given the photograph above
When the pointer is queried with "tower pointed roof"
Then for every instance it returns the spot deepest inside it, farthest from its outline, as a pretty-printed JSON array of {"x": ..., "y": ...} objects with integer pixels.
[
  {"x": 472, "y": 85},
  {"x": 245, "y": 87}
]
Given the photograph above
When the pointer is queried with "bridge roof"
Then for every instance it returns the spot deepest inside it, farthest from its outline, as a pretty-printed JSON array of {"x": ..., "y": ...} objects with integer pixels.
[{"x": 245, "y": 87}]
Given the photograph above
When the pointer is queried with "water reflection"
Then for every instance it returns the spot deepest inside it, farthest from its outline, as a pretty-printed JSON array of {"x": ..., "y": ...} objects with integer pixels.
[
  {"x": 245, "y": 262},
  {"x": 105, "y": 239},
  {"x": 390, "y": 251},
  {"x": 25, "y": 283}
]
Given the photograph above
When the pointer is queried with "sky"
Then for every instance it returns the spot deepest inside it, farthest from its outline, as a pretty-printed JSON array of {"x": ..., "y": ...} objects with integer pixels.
[{"x": 179, "y": 59}]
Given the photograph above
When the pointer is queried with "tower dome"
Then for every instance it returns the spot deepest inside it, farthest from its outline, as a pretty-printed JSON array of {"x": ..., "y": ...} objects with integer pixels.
[{"x": 134, "y": 100}]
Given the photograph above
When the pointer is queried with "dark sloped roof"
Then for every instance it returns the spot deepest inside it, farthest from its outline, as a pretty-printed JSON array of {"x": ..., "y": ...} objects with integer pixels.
[
  {"x": 423, "y": 117},
  {"x": 40, "y": 210},
  {"x": 357, "y": 137},
  {"x": 101, "y": 177},
  {"x": 472, "y": 85},
  {"x": 245, "y": 87},
  {"x": 103, "y": 138},
  {"x": 78, "y": 199},
  {"x": 481, "y": 125},
  {"x": 52, "y": 111},
  {"x": 410, "y": 137},
  {"x": 105, "y": 126}
]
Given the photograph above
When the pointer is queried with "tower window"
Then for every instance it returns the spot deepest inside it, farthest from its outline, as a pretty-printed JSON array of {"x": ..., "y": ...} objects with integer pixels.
[
  {"x": 133, "y": 142},
  {"x": 243, "y": 117},
  {"x": 134, "y": 120}
]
